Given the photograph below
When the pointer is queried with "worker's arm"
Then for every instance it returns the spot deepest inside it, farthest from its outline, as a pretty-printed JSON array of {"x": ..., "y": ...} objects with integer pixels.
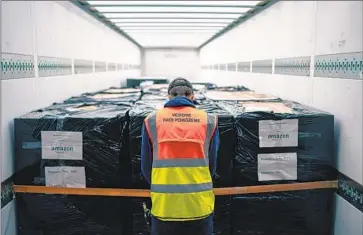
[
  {"x": 146, "y": 154},
  {"x": 213, "y": 152}
]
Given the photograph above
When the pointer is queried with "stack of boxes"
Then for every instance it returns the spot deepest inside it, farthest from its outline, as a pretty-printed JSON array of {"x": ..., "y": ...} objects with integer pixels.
[
  {"x": 280, "y": 141},
  {"x": 112, "y": 96},
  {"x": 94, "y": 140},
  {"x": 71, "y": 145}
]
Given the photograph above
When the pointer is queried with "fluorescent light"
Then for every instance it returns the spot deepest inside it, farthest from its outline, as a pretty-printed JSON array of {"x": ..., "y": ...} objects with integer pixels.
[
  {"x": 170, "y": 31},
  {"x": 122, "y": 25},
  {"x": 189, "y": 3},
  {"x": 171, "y": 15},
  {"x": 173, "y": 33},
  {"x": 173, "y": 9},
  {"x": 170, "y": 28},
  {"x": 206, "y": 21}
]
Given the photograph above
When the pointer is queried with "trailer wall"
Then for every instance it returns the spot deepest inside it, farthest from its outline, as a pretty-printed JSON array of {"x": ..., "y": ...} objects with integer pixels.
[
  {"x": 51, "y": 36},
  {"x": 171, "y": 62},
  {"x": 300, "y": 32}
]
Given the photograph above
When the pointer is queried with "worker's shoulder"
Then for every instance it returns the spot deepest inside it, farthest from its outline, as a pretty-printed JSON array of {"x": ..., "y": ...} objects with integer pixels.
[
  {"x": 154, "y": 113},
  {"x": 211, "y": 118}
]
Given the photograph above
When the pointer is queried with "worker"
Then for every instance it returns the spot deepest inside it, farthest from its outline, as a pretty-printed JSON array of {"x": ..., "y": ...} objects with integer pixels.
[{"x": 178, "y": 159}]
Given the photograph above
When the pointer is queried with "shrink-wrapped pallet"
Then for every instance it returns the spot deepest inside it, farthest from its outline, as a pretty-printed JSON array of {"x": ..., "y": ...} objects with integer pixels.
[
  {"x": 283, "y": 213},
  {"x": 281, "y": 142},
  {"x": 111, "y": 96},
  {"x": 75, "y": 146}
]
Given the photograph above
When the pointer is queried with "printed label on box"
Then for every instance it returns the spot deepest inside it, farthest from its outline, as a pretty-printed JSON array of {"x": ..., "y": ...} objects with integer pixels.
[
  {"x": 281, "y": 133},
  {"x": 277, "y": 166},
  {"x": 65, "y": 176},
  {"x": 62, "y": 145}
]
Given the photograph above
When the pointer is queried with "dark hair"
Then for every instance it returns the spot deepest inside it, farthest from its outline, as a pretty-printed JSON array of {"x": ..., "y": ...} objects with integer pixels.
[{"x": 180, "y": 87}]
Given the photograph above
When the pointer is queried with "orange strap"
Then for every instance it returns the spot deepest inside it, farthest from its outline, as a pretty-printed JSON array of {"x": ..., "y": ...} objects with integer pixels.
[{"x": 111, "y": 192}]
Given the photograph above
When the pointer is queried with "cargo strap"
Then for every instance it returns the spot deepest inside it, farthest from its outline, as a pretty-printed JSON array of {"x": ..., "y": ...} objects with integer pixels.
[
  {"x": 112, "y": 192},
  {"x": 147, "y": 216}
]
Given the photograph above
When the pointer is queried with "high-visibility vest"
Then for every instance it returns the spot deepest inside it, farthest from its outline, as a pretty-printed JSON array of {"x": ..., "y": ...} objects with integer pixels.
[{"x": 181, "y": 183}]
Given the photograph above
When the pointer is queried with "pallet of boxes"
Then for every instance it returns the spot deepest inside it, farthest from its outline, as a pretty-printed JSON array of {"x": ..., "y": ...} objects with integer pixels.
[
  {"x": 78, "y": 144},
  {"x": 279, "y": 141},
  {"x": 94, "y": 141}
]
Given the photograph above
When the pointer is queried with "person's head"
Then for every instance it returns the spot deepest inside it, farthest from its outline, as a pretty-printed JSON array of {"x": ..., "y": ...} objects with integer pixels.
[{"x": 180, "y": 87}]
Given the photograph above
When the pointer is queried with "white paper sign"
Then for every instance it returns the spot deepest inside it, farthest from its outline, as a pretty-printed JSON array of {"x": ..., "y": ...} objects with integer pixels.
[
  {"x": 281, "y": 133},
  {"x": 277, "y": 166},
  {"x": 65, "y": 176},
  {"x": 62, "y": 145}
]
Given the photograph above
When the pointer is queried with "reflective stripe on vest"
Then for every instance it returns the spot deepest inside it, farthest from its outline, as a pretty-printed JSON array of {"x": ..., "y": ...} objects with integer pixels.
[
  {"x": 180, "y": 139},
  {"x": 179, "y": 163},
  {"x": 181, "y": 188}
]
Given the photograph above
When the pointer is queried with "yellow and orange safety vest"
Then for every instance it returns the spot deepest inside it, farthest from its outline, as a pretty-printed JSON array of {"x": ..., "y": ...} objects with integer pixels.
[{"x": 181, "y": 183}]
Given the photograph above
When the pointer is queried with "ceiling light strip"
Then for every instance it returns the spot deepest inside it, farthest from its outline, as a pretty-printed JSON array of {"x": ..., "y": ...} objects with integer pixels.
[
  {"x": 171, "y": 9},
  {"x": 171, "y": 22},
  {"x": 172, "y": 28},
  {"x": 216, "y": 21},
  {"x": 169, "y": 25},
  {"x": 184, "y": 15},
  {"x": 173, "y": 3},
  {"x": 170, "y": 12},
  {"x": 175, "y": 6},
  {"x": 170, "y": 18}
]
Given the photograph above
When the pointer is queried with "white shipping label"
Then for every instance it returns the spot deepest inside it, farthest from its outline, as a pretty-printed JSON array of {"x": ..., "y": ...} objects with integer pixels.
[
  {"x": 281, "y": 133},
  {"x": 277, "y": 166},
  {"x": 65, "y": 176},
  {"x": 62, "y": 145}
]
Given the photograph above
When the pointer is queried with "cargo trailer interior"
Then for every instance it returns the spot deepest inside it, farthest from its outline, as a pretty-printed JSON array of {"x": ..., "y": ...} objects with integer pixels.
[{"x": 310, "y": 52}]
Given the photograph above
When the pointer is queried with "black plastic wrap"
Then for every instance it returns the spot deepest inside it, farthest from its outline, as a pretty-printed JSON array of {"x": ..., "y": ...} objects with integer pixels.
[
  {"x": 199, "y": 97},
  {"x": 207, "y": 85},
  {"x": 139, "y": 226},
  {"x": 234, "y": 96},
  {"x": 112, "y": 96},
  {"x": 137, "y": 114},
  {"x": 163, "y": 97},
  {"x": 295, "y": 213},
  {"x": 155, "y": 97},
  {"x": 111, "y": 145},
  {"x": 96, "y": 152},
  {"x": 41, "y": 214},
  {"x": 118, "y": 90},
  {"x": 102, "y": 164},
  {"x": 230, "y": 88},
  {"x": 160, "y": 92},
  {"x": 222, "y": 215},
  {"x": 293, "y": 129},
  {"x": 227, "y": 135},
  {"x": 156, "y": 89}
]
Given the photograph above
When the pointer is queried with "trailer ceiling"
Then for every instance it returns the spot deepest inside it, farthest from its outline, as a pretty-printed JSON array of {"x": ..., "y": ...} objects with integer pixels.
[{"x": 171, "y": 23}]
